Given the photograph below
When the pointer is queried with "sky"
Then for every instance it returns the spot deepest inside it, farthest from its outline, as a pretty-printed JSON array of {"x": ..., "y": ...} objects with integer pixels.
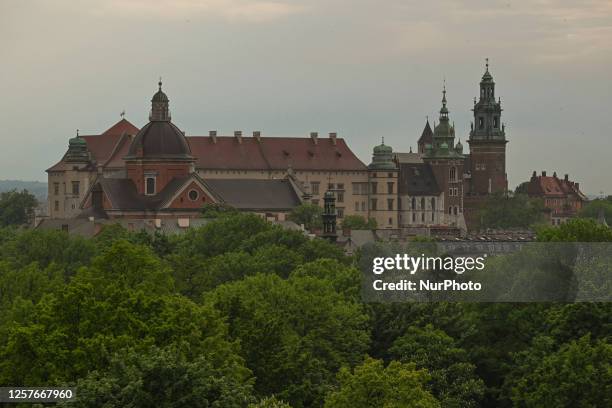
[{"x": 363, "y": 69}]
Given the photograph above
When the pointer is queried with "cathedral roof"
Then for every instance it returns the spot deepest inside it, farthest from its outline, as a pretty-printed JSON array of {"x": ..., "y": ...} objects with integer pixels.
[
  {"x": 160, "y": 140},
  {"x": 417, "y": 179},
  {"x": 426, "y": 135}
]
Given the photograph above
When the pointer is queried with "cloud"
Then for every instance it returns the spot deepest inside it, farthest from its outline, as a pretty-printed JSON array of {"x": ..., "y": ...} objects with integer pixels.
[{"x": 250, "y": 11}]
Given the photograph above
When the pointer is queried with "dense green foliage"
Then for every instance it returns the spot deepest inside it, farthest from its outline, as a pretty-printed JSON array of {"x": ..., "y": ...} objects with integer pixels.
[
  {"x": 518, "y": 211},
  {"x": 601, "y": 205},
  {"x": 309, "y": 215},
  {"x": 242, "y": 313},
  {"x": 358, "y": 222},
  {"x": 16, "y": 207}
]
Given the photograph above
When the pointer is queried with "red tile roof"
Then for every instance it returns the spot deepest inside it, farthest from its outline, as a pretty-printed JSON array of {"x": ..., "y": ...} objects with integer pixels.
[
  {"x": 226, "y": 152},
  {"x": 273, "y": 153},
  {"x": 553, "y": 187}
]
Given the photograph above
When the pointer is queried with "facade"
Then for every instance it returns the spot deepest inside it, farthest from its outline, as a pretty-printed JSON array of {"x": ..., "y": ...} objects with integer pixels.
[
  {"x": 158, "y": 171},
  {"x": 561, "y": 197},
  {"x": 143, "y": 163}
]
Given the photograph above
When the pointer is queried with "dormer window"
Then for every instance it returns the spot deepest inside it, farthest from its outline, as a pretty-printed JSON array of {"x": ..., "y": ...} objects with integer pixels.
[{"x": 150, "y": 185}]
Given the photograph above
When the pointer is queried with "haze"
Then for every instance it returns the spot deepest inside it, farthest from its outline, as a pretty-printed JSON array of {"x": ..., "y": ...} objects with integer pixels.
[{"x": 365, "y": 69}]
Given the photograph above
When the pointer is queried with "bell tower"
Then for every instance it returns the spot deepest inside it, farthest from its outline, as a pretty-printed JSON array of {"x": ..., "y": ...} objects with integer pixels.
[{"x": 487, "y": 142}]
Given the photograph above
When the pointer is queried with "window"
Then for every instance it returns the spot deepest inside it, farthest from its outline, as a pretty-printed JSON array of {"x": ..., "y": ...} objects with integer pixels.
[
  {"x": 356, "y": 205},
  {"x": 413, "y": 217},
  {"x": 432, "y": 217},
  {"x": 450, "y": 192},
  {"x": 413, "y": 203},
  {"x": 363, "y": 206},
  {"x": 495, "y": 122},
  {"x": 373, "y": 188},
  {"x": 75, "y": 188},
  {"x": 340, "y": 196},
  {"x": 314, "y": 187},
  {"x": 390, "y": 221},
  {"x": 450, "y": 210},
  {"x": 390, "y": 175},
  {"x": 390, "y": 204},
  {"x": 433, "y": 203},
  {"x": 373, "y": 204},
  {"x": 340, "y": 186},
  {"x": 481, "y": 123},
  {"x": 330, "y": 186},
  {"x": 390, "y": 187},
  {"x": 422, "y": 203},
  {"x": 150, "y": 185},
  {"x": 423, "y": 217},
  {"x": 194, "y": 195},
  {"x": 453, "y": 173},
  {"x": 455, "y": 210},
  {"x": 340, "y": 212},
  {"x": 56, "y": 188},
  {"x": 56, "y": 206}
]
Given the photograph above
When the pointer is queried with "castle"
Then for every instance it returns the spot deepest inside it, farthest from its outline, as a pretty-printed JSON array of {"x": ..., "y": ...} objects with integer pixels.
[{"x": 159, "y": 172}]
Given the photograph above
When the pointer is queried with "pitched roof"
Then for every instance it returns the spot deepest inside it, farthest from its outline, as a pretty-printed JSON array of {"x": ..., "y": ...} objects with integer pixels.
[
  {"x": 102, "y": 146},
  {"x": 121, "y": 127},
  {"x": 552, "y": 186},
  {"x": 273, "y": 153},
  {"x": 427, "y": 135},
  {"x": 253, "y": 194},
  {"x": 417, "y": 179},
  {"x": 410, "y": 157}
]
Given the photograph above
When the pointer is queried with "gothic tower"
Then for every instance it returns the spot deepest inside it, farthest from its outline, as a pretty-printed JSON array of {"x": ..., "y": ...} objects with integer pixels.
[
  {"x": 487, "y": 142},
  {"x": 446, "y": 160}
]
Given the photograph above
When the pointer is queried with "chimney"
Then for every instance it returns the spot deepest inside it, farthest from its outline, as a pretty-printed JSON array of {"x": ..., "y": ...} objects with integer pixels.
[
  {"x": 534, "y": 175},
  {"x": 213, "y": 135},
  {"x": 332, "y": 137},
  {"x": 314, "y": 136},
  {"x": 555, "y": 174},
  {"x": 543, "y": 173},
  {"x": 577, "y": 186},
  {"x": 567, "y": 177},
  {"x": 257, "y": 135},
  {"x": 238, "y": 135}
]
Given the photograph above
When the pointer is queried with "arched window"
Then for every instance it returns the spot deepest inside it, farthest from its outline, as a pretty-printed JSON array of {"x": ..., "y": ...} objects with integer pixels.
[
  {"x": 422, "y": 203},
  {"x": 480, "y": 123},
  {"x": 453, "y": 173},
  {"x": 450, "y": 210},
  {"x": 455, "y": 210},
  {"x": 413, "y": 203},
  {"x": 433, "y": 203}
]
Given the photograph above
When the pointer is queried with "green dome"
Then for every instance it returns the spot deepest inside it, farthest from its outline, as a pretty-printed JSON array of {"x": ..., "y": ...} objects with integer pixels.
[
  {"x": 382, "y": 149},
  {"x": 77, "y": 141},
  {"x": 382, "y": 159}
]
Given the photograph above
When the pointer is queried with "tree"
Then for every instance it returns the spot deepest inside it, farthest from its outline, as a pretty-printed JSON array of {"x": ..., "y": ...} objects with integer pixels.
[
  {"x": 374, "y": 385},
  {"x": 270, "y": 402},
  {"x": 16, "y": 208},
  {"x": 576, "y": 230},
  {"x": 123, "y": 300},
  {"x": 519, "y": 211},
  {"x": 453, "y": 380},
  {"x": 578, "y": 374},
  {"x": 309, "y": 215},
  {"x": 593, "y": 208},
  {"x": 358, "y": 222},
  {"x": 294, "y": 334},
  {"x": 163, "y": 378},
  {"x": 216, "y": 210}
]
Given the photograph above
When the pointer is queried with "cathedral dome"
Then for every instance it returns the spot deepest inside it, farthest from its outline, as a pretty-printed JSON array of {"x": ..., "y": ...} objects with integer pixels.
[{"x": 161, "y": 140}]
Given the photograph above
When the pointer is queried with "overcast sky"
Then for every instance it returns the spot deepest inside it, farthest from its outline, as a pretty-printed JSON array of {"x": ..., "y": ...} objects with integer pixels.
[{"x": 365, "y": 69}]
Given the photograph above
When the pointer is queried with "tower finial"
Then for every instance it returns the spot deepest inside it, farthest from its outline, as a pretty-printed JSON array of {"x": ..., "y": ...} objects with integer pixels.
[
  {"x": 77, "y": 132},
  {"x": 444, "y": 93},
  {"x": 383, "y": 140},
  {"x": 487, "y": 63},
  {"x": 160, "y": 83},
  {"x": 427, "y": 118}
]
